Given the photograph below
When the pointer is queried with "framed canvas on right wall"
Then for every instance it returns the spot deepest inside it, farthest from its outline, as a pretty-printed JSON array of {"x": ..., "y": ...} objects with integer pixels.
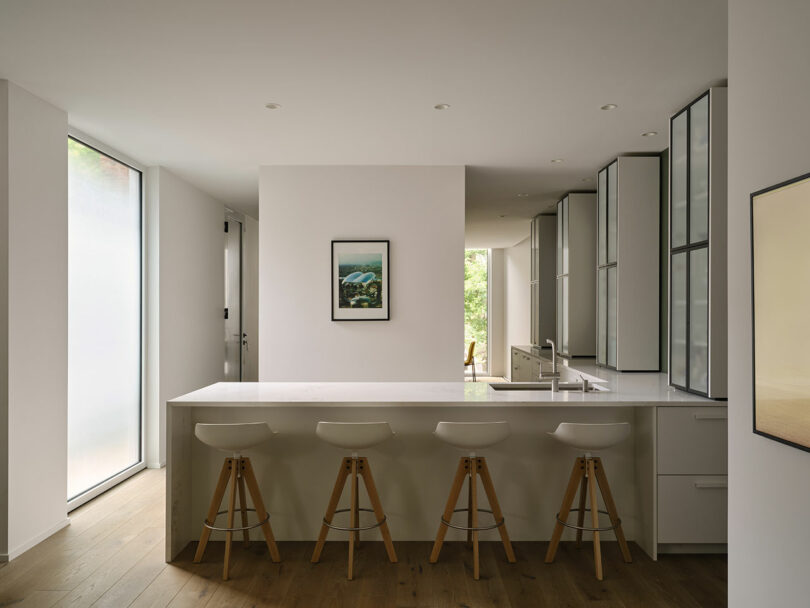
[{"x": 780, "y": 276}]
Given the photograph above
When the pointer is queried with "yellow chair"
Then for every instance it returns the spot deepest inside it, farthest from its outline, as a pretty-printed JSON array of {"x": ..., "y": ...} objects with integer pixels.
[{"x": 470, "y": 360}]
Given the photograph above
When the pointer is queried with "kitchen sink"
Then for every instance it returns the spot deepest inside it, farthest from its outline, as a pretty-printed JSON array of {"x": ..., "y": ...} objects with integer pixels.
[{"x": 544, "y": 386}]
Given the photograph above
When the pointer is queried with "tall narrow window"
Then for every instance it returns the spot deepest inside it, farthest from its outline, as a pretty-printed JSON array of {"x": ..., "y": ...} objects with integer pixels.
[
  {"x": 104, "y": 318},
  {"x": 476, "y": 304}
]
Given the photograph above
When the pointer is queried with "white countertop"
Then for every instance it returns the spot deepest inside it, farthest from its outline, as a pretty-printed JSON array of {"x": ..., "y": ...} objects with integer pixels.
[{"x": 628, "y": 389}]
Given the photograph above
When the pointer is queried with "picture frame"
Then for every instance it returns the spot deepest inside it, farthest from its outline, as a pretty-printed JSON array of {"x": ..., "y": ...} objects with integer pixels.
[
  {"x": 360, "y": 280},
  {"x": 780, "y": 300}
]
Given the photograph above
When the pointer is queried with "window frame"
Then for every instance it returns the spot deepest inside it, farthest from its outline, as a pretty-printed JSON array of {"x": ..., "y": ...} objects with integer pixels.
[{"x": 103, "y": 486}]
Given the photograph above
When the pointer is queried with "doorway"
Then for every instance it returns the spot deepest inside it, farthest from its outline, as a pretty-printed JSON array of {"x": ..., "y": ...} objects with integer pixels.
[
  {"x": 234, "y": 335},
  {"x": 476, "y": 308}
]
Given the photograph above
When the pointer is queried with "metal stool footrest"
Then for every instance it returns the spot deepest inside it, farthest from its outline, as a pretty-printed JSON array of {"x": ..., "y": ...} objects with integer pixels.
[
  {"x": 585, "y": 528},
  {"x": 211, "y": 526},
  {"x": 355, "y": 528},
  {"x": 497, "y": 524}
]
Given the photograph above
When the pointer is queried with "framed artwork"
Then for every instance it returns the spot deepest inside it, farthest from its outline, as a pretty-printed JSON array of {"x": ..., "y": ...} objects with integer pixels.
[
  {"x": 360, "y": 281},
  {"x": 780, "y": 276}
]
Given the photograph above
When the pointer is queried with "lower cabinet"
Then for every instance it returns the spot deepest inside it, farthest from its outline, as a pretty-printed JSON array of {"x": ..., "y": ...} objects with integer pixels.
[
  {"x": 525, "y": 367},
  {"x": 692, "y": 475},
  {"x": 692, "y": 509}
]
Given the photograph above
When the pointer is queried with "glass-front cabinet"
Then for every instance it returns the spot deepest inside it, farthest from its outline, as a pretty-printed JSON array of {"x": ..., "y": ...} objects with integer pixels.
[
  {"x": 628, "y": 251},
  {"x": 576, "y": 280},
  {"x": 697, "y": 248},
  {"x": 543, "y": 278}
]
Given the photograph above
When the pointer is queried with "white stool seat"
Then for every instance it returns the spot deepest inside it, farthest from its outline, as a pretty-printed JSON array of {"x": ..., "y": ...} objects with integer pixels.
[
  {"x": 472, "y": 435},
  {"x": 591, "y": 437},
  {"x": 233, "y": 437},
  {"x": 354, "y": 435}
]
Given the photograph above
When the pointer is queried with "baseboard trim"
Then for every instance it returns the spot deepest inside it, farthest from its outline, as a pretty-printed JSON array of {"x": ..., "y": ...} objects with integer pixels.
[
  {"x": 19, "y": 550},
  {"x": 155, "y": 465}
]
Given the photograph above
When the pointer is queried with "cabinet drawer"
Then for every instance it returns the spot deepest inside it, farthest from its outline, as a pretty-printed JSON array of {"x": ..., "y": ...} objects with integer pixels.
[
  {"x": 692, "y": 509},
  {"x": 692, "y": 440}
]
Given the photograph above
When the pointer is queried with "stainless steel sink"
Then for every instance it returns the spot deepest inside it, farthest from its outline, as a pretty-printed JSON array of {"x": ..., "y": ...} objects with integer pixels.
[{"x": 544, "y": 386}]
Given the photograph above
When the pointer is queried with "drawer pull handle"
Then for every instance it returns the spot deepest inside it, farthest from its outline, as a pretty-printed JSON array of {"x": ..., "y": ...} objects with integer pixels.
[
  {"x": 711, "y": 485},
  {"x": 711, "y": 416}
]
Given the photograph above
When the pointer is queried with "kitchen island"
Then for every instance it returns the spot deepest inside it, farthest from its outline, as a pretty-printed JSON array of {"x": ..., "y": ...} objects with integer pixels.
[{"x": 413, "y": 470}]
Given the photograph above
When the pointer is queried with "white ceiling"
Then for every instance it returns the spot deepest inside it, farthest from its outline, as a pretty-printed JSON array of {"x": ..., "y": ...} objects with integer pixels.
[{"x": 183, "y": 83}]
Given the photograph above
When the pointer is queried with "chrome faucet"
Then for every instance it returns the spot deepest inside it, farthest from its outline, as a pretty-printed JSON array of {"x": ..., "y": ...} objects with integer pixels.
[{"x": 555, "y": 375}]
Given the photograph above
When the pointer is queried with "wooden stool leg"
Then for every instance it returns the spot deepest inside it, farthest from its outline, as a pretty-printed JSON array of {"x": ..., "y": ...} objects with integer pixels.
[
  {"x": 258, "y": 504},
  {"x": 356, "y": 512},
  {"x": 231, "y": 508},
  {"x": 568, "y": 499},
  {"x": 379, "y": 514},
  {"x": 353, "y": 512},
  {"x": 343, "y": 473},
  {"x": 474, "y": 509},
  {"x": 216, "y": 500},
  {"x": 452, "y": 499},
  {"x": 489, "y": 488},
  {"x": 597, "y": 548},
  {"x": 469, "y": 514},
  {"x": 601, "y": 477},
  {"x": 583, "y": 494},
  {"x": 243, "y": 505}
]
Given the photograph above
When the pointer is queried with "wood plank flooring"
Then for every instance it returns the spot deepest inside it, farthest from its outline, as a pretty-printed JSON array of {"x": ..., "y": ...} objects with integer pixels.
[{"x": 112, "y": 556}]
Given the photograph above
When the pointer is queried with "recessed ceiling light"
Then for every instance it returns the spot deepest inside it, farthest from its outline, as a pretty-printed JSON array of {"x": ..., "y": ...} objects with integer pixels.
[
  {"x": 650, "y": 134},
  {"x": 523, "y": 194},
  {"x": 556, "y": 160},
  {"x": 501, "y": 216},
  {"x": 609, "y": 106},
  {"x": 272, "y": 106},
  {"x": 441, "y": 106}
]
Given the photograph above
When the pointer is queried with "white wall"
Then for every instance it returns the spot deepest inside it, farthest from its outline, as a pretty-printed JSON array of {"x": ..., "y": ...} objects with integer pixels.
[
  {"x": 421, "y": 211},
  {"x": 33, "y": 205},
  {"x": 517, "y": 298},
  {"x": 250, "y": 298},
  {"x": 191, "y": 290},
  {"x": 769, "y": 540}
]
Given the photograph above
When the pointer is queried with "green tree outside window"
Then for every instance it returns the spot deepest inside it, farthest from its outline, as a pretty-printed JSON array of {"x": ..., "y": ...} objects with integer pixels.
[{"x": 475, "y": 304}]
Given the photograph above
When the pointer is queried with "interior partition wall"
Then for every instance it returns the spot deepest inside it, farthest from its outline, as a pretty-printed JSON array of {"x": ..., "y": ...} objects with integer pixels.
[{"x": 104, "y": 320}]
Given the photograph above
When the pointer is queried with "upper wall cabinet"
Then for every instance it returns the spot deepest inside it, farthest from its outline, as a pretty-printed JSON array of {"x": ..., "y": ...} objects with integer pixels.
[
  {"x": 697, "y": 246},
  {"x": 543, "y": 300},
  {"x": 628, "y": 251},
  {"x": 576, "y": 278}
]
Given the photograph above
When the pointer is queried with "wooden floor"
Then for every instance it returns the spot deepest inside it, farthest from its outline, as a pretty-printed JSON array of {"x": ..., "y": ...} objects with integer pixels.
[{"x": 112, "y": 555}]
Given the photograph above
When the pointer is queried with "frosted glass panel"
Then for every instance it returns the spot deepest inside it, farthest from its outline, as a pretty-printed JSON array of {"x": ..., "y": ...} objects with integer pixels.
[
  {"x": 104, "y": 317},
  {"x": 559, "y": 237},
  {"x": 560, "y": 314},
  {"x": 699, "y": 171},
  {"x": 611, "y": 316},
  {"x": 564, "y": 347},
  {"x": 601, "y": 319},
  {"x": 678, "y": 180},
  {"x": 602, "y": 204},
  {"x": 677, "y": 363},
  {"x": 612, "y": 208},
  {"x": 699, "y": 320},
  {"x": 565, "y": 236}
]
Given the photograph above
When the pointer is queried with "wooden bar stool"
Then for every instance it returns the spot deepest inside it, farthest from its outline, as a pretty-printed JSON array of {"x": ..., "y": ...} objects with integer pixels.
[
  {"x": 236, "y": 472},
  {"x": 472, "y": 436},
  {"x": 589, "y": 472},
  {"x": 354, "y": 436}
]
